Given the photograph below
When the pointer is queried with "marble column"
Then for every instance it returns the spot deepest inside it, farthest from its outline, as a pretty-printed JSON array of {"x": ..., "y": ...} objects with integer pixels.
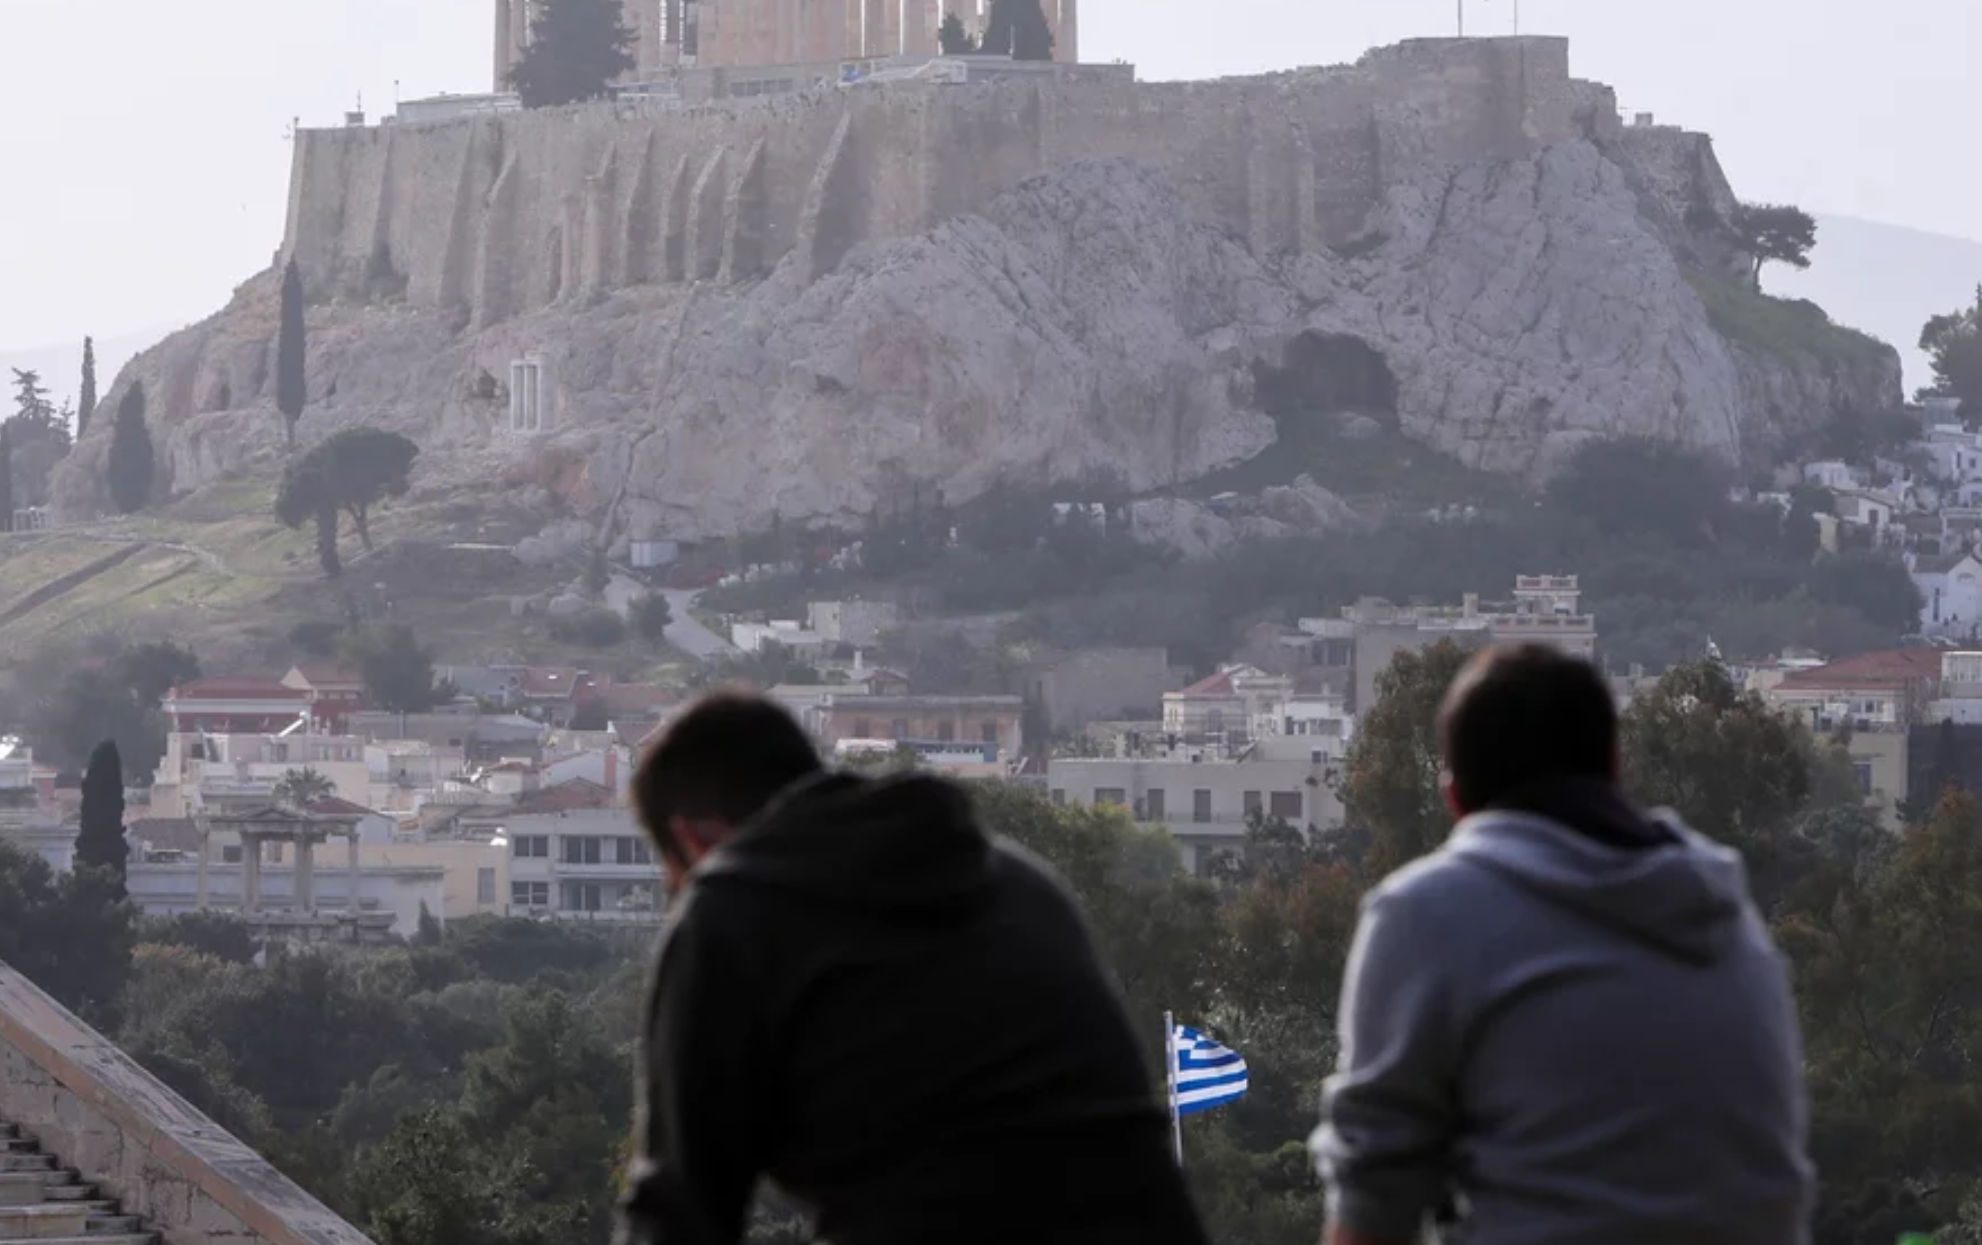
[
  {"x": 251, "y": 874},
  {"x": 306, "y": 874},
  {"x": 505, "y": 52},
  {"x": 351, "y": 874},
  {"x": 1066, "y": 46}
]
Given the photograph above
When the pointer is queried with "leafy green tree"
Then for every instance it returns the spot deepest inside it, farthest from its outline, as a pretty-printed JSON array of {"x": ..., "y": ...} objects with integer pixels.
[
  {"x": 71, "y": 935},
  {"x": 651, "y": 617},
  {"x": 953, "y": 38},
  {"x": 1773, "y": 232},
  {"x": 397, "y": 670},
  {"x": 1953, "y": 343},
  {"x": 1734, "y": 768},
  {"x": 1878, "y": 588},
  {"x": 598, "y": 573},
  {"x": 1643, "y": 486},
  {"x": 115, "y": 700},
  {"x": 300, "y": 788},
  {"x": 593, "y": 628},
  {"x": 291, "y": 351},
  {"x": 86, "y": 399},
  {"x": 100, "y": 840},
  {"x": 38, "y": 437},
  {"x": 224, "y": 937},
  {"x": 577, "y": 49},
  {"x": 128, "y": 470},
  {"x": 348, "y": 473},
  {"x": 1019, "y": 28},
  {"x": 1391, "y": 779}
]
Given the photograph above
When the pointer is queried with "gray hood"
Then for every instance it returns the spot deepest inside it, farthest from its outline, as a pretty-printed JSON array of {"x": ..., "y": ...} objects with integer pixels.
[{"x": 1685, "y": 897}]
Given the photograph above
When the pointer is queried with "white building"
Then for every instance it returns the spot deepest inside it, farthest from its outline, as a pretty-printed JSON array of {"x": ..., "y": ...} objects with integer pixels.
[
  {"x": 751, "y": 637},
  {"x": 1831, "y": 474},
  {"x": 1206, "y": 804},
  {"x": 575, "y": 856},
  {"x": 859, "y": 623},
  {"x": 200, "y": 769},
  {"x": 1950, "y": 594}
]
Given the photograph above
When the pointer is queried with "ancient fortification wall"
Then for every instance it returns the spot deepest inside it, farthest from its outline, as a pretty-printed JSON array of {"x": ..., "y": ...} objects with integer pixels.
[
  {"x": 91, "y": 1105},
  {"x": 503, "y": 215}
]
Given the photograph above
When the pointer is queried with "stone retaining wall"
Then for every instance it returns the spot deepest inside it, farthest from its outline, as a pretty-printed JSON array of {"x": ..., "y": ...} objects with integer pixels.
[{"x": 92, "y": 1105}]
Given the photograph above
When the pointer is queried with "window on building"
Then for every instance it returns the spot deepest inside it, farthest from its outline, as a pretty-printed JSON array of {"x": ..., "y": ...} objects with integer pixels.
[
  {"x": 275, "y": 852},
  {"x": 1152, "y": 805},
  {"x": 629, "y": 850},
  {"x": 582, "y": 896},
  {"x": 1114, "y": 796},
  {"x": 581, "y": 851},
  {"x": 1059, "y": 795},
  {"x": 1863, "y": 771},
  {"x": 1250, "y": 804},
  {"x": 528, "y": 846},
  {"x": 946, "y": 731},
  {"x": 987, "y": 731},
  {"x": 898, "y": 729},
  {"x": 1201, "y": 805},
  {"x": 1214, "y": 721},
  {"x": 863, "y": 728},
  {"x": 1285, "y": 805},
  {"x": 526, "y": 396},
  {"x": 530, "y": 894},
  {"x": 485, "y": 884}
]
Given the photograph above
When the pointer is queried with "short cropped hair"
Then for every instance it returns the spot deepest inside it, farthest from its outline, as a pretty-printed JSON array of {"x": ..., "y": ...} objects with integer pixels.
[
  {"x": 1521, "y": 714},
  {"x": 724, "y": 760}
]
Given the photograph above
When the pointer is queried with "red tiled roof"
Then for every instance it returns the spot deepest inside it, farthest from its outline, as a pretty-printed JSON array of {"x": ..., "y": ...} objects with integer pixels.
[
  {"x": 237, "y": 688},
  {"x": 1891, "y": 668},
  {"x": 629, "y": 699},
  {"x": 1219, "y": 685},
  {"x": 564, "y": 798}
]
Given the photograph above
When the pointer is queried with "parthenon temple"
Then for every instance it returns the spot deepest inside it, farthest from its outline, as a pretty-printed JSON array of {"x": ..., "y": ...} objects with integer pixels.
[{"x": 719, "y": 33}]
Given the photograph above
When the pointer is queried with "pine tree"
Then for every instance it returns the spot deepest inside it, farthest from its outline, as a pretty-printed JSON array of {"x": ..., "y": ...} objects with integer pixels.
[
  {"x": 291, "y": 351},
  {"x": 577, "y": 48},
  {"x": 128, "y": 472},
  {"x": 86, "y": 397},
  {"x": 953, "y": 38},
  {"x": 100, "y": 840},
  {"x": 6, "y": 482},
  {"x": 1018, "y": 29}
]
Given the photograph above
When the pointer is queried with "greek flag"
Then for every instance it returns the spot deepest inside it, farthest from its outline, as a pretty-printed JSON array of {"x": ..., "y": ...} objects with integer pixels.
[{"x": 1203, "y": 1073}]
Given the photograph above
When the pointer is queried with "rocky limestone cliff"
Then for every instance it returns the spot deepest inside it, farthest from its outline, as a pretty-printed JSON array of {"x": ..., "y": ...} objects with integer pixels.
[{"x": 1087, "y": 326}]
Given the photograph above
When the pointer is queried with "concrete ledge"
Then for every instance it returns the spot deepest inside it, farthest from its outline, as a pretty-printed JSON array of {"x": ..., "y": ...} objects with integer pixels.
[{"x": 92, "y": 1105}]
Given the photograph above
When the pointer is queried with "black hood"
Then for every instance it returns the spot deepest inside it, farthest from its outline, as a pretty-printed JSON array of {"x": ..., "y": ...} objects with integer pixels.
[{"x": 908, "y": 843}]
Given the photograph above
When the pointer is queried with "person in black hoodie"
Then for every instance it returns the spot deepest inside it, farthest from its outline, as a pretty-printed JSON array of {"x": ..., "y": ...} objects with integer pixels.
[{"x": 897, "y": 1020}]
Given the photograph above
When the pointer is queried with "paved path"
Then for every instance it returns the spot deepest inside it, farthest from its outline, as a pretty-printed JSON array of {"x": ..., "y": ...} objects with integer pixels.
[{"x": 688, "y": 634}]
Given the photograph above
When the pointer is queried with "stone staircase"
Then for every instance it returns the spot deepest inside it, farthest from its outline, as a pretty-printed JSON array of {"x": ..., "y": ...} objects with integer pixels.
[{"x": 48, "y": 1204}]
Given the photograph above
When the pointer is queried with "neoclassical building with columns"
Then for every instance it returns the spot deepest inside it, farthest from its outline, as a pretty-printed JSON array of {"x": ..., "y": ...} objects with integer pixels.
[{"x": 748, "y": 33}]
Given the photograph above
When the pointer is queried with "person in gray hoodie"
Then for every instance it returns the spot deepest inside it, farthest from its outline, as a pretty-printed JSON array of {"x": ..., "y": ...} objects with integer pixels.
[{"x": 1569, "y": 1026}]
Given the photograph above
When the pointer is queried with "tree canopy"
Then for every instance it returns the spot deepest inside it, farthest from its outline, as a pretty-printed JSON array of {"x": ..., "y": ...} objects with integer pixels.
[
  {"x": 1775, "y": 232},
  {"x": 291, "y": 351},
  {"x": 86, "y": 395},
  {"x": 128, "y": 470},
  {"x": 100, "y": 839},
  {"x": 348, "y": 473},
  {"x": 38, "y": 437},
  {"x": 1391, "y": 782},
  {"x": 1953, "y": 343},
  {"x": 577, "y": 49},
  {"x": 299, "y": 788},
  {"x": 1018, "y": 28},
  {"x": 953, "y": 38},
  {"x": 6, "y": 480},
  {"x": 398, "y": 672},
  {"x": 77, "y": 701}
]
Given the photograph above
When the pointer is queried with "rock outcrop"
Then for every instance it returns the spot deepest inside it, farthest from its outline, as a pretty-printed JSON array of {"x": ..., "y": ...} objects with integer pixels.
[{"x": 1088, "y": 326}]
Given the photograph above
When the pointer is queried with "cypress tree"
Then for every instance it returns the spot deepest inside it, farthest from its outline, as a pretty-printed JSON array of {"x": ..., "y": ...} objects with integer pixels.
[
  {"x": 129, "y": 469},
  {"x": 1018, "y": 28},
  {"x": 86, "y": 397},
  {"x": 291, "y": 351},
  {"x": 100, "y": 840},
  {"x": 6, "y": 482}
]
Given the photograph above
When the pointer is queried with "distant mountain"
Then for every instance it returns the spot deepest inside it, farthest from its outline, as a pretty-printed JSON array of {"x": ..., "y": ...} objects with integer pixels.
[
  {"x": 61, "y": 364},
  {"x": 1885, "y": 279}
]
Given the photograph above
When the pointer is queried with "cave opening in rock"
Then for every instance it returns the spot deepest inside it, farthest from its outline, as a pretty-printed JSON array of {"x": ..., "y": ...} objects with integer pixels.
[{"x": 1325, "y": 376}]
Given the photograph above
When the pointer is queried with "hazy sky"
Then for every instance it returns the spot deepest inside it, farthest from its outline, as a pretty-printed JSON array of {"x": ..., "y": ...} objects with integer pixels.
[{"x": 145, "y": 167}]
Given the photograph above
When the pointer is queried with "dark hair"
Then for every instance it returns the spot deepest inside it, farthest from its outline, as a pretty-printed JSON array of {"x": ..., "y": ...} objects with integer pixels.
[
  {"x": 725, "y": 759},
  {"x": 1520, "y": 714}
]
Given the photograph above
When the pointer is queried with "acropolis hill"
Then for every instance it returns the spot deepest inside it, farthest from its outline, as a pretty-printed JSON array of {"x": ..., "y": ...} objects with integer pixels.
[{"x": 684, "y": 319}]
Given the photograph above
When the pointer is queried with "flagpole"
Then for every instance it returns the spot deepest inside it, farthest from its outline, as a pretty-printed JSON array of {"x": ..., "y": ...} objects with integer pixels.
[{"x": 1170, "y": 1078}]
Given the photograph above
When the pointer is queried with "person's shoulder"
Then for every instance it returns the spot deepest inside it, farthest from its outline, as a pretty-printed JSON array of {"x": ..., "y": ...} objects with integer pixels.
[{"x": 1429, "y": 885}]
